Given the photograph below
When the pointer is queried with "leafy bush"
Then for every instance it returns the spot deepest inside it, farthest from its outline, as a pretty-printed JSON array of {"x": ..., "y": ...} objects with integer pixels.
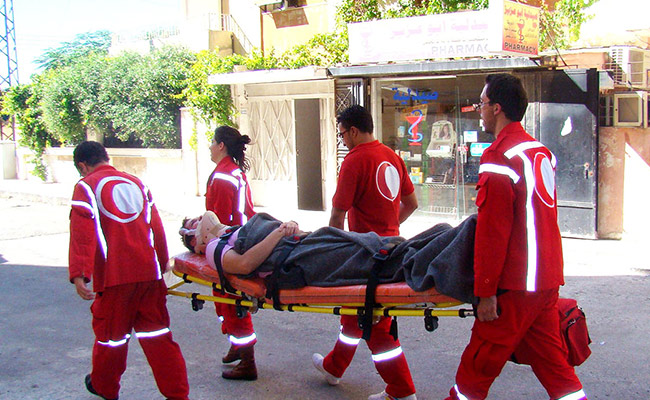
[{"x": 22, "y": 101}]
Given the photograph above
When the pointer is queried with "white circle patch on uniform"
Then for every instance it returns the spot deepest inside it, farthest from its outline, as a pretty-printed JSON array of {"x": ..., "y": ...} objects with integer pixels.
[
  {"x": 544, "y": 179},
  {"x": 120, "y": 199},
  {"x": 388, "y": 181}
]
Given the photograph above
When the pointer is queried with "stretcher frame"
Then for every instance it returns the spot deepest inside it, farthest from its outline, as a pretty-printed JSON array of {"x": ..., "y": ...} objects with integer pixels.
[{"x": 430, "y": 305}]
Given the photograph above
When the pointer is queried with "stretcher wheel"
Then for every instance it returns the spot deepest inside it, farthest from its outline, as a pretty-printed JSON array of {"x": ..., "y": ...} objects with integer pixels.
[
  {"x": 197, "y": 304},
  {"x": 430, "y": 323},
  {"x": 241, "y": 311}
]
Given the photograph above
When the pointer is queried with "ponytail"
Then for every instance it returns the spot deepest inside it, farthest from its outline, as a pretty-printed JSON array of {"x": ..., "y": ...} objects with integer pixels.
[{"x": 235, "y": 144}]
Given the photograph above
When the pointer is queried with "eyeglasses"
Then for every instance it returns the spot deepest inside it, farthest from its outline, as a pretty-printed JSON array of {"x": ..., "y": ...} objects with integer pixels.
[
  {"x": 480, "y": 104},
  {"x": 340, "y": 134}
]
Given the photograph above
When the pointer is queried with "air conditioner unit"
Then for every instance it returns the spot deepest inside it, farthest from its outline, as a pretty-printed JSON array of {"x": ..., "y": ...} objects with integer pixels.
[
  {"x": 629, "y": 66},
  {"x": 631, "y": 109}
]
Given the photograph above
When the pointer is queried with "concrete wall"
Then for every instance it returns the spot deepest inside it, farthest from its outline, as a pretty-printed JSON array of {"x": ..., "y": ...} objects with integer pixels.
[
  {"x": 248, "y": 17},
  {"x": 624, "y": 170},
  {"x": 8, "y": 160},
  {"x": 286, "y": 28},
  {"x": 636, "y": 218},
  {"x": 197, "y": 166},
  {"x": 197, "y": 8},
  {"x": 224, "y": 41},
  {"x": 160, "y": 169}
]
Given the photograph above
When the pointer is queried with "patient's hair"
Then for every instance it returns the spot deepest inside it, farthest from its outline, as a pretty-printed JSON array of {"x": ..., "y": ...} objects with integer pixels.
[
  {"x": 235, "y": 144},
  {"x": 186, "y": 238}
]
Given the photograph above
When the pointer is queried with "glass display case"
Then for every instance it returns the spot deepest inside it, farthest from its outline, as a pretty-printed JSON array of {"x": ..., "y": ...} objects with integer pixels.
[{"x": 431, "y": 124}]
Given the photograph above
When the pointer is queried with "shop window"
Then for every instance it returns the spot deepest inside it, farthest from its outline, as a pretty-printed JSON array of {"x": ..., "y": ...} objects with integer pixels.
[
  {"x": 630, "y": 109},
  {"x": 430, "y": 123},
  {"x": 606, "y": 111}
]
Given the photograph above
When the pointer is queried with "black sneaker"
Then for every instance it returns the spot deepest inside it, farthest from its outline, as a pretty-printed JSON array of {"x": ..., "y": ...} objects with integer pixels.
[{"x": 91, "y": 389}]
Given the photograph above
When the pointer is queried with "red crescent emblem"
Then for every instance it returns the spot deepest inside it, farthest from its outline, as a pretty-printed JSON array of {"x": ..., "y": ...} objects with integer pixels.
[
  {"x": 544, "y": 179},
  {"x": 120, "y": 199},
  {"x": 388, "y": 181}
]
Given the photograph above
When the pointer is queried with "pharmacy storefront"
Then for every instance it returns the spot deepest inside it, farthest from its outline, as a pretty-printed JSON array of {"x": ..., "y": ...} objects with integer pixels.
[
  {"x": 424, "y": 110},
  {"x": 430, "y": 121},
  {"x": 425, "y": 113}
]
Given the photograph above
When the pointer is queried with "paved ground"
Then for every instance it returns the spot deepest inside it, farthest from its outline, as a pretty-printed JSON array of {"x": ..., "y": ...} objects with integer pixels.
[{"x": 45, "y": 335}]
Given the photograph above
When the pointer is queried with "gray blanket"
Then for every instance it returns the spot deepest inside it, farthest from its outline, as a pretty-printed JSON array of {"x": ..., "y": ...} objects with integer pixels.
[{"x": 440, "y": 257}]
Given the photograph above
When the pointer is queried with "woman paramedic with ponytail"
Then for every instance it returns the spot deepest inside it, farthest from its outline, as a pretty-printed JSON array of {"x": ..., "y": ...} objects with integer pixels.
[{"x": 229, "y": 196}]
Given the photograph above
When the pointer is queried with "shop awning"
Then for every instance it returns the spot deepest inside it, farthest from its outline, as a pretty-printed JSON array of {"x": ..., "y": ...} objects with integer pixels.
[
  {"x": 268, "y": 76},
  {"x": 435, "y": 67}
]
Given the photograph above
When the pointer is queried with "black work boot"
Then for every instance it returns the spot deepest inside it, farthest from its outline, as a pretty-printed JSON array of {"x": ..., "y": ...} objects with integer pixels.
[{"x": 91, "y": 389}]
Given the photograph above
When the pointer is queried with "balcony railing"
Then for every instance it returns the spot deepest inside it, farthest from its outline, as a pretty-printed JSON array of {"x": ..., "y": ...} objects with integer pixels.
[
  {"x": 225, "y": 22},
  {"x": 214, "y": 22}
]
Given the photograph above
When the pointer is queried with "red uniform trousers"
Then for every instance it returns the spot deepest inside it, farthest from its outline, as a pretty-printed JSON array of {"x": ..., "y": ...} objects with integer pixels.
[
  {"x": 140, "y": 307},
  {"x": 240, "y": 331},
  {"x": 386, "y": 353},
  {"x": 528, "y": 320}
]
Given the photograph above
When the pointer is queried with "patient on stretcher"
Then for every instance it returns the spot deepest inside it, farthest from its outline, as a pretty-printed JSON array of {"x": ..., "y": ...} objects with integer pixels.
[
  {"x": 201, "y": 235},
  {"x": 441, "y": 256}
]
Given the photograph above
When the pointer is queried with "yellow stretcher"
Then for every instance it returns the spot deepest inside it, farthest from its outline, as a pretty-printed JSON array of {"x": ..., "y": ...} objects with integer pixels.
[{"x": 391, "y": 299}]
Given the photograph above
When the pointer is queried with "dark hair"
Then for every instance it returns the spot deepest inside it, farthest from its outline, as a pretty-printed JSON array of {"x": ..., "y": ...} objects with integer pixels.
[
  {"x": 508, "y": 91},
  {"x": 186, "y": 238},
  {"x": 235, "y": 144},
  {"x": 356, "y": 116},
  {"x": 91, "y": 153}
]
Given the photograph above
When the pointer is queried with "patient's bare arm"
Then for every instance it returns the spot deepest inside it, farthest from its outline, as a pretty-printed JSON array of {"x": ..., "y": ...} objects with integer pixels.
[{"x": 248, "y": 262}]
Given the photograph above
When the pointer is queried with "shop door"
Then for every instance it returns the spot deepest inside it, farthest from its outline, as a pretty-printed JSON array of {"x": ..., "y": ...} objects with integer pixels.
[
  {"x": 308, "y": 154},
  {"x": 349, "y": 92},
  {"x": 567, "y": 107}
]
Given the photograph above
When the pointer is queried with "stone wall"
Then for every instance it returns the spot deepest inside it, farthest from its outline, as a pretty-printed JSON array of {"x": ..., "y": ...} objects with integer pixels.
[{"x": 624, "y": 170}]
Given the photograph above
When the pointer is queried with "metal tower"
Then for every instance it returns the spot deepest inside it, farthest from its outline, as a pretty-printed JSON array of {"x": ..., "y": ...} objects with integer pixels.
[{"x": 9, "y": 76}]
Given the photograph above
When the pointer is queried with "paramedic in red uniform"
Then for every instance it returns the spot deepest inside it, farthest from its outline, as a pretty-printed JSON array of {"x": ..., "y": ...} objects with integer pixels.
[
  {"x": 228, "y": 195},
  {"x": 375, "y": 190},
  {"x": 117, "y": 241},
  {"x": 518, "y": 266}
]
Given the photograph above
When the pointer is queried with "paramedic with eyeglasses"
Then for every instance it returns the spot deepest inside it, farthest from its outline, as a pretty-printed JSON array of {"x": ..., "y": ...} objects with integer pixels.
[
  {"x": 518, "y": 265},
  {"x": 375, "y": 191}
]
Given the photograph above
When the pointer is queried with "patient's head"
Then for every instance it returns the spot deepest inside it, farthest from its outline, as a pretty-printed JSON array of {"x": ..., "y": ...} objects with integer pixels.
[
  {"x": 196, "y": 233},
  {"x": 188, "y": 233}
]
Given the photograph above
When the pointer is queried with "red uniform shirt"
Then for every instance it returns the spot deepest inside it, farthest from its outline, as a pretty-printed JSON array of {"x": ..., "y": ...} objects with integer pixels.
[
  {"x": 228, "y": 194},
  {"x": 116, "y": 235},
  {"x": 371, "y": 183},
  {"x": 517, "y": 244}
]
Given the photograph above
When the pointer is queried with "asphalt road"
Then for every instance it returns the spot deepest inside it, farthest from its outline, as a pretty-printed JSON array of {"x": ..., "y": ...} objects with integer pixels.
[{"x": 46, "y": 338}]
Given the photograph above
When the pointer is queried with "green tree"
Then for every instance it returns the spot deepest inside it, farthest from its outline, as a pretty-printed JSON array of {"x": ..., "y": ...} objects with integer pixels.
[
  {"x": 67, "y": 99},
  {"x": 358, "y": 11},
  {"x": 321, "y": 50},
  {"x": 211, "y": 103},
  {"x": 144, "y": 95},
  {"x": 22, "y": 101},
  {"x": 558, "y": 28},
  {"x": 83, "y": 44},
  {"x": 131, "y": 97}
]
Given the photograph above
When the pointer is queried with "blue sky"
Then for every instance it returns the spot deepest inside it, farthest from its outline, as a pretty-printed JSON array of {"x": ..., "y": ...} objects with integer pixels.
[{"x": 43, "y": 24}]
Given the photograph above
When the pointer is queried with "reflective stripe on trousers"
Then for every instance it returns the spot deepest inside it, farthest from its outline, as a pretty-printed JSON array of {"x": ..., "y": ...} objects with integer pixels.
[
  {"x": 115, "y": 343},
  {"x": 242, "y": 340}
]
